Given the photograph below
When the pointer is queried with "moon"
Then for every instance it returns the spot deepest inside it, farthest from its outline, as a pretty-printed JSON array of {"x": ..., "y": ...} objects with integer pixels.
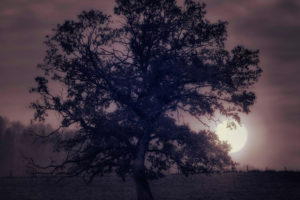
[{"x": 234, "y": 134}]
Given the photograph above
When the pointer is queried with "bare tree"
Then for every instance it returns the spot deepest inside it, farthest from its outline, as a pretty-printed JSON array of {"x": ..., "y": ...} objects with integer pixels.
[{"x": 124, "y": 80}]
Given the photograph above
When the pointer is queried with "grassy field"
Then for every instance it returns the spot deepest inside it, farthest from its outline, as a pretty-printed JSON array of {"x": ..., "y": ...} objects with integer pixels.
[{"x": 229, "y": 186}]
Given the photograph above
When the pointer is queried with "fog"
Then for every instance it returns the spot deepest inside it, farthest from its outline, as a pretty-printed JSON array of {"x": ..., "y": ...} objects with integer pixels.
[{"x": 19, "y": 142}]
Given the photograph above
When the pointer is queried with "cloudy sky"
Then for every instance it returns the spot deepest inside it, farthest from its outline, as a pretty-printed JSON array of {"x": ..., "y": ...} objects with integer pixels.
[{"x": 272, "y": 26}]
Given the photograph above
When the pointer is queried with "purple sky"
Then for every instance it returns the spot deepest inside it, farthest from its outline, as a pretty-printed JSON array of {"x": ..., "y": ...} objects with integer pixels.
[{"x": 272, "y": 26}]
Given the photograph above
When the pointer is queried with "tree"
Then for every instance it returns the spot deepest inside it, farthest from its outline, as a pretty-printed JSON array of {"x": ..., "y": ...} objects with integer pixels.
[{"x": 123, "y": 82}]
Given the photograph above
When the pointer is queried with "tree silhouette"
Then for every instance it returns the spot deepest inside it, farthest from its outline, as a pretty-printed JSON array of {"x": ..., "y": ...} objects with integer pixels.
[{"x": 123, "y": 81}]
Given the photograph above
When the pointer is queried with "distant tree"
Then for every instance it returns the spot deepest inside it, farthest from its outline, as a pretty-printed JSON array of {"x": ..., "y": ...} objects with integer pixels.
[
  {"x": 123, "y": 81},
  {"x": 18, "y": 142},
  {"x": 10, "y": 133}
]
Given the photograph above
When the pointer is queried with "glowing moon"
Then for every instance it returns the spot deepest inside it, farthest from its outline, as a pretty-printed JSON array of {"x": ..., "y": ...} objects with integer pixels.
[{"x": 235, "y": 135}]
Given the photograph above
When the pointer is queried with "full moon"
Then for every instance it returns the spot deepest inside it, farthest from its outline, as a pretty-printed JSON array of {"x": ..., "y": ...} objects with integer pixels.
[{"x": 231, "y": 132}]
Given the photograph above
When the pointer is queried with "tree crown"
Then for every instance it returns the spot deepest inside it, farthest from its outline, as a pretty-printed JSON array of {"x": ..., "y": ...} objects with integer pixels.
[{"x": 123, "y": 81}]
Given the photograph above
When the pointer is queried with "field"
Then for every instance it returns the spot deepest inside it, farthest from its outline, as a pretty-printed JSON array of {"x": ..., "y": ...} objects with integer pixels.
[{"x": 228, "y": 186}]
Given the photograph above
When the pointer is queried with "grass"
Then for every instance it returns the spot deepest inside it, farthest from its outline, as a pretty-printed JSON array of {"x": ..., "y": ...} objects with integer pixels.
[{"x": 228, "y": 186}]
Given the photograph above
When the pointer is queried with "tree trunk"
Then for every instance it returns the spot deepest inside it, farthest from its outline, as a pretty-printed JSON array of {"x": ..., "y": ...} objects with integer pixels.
[{"x": 143, "y": 191}]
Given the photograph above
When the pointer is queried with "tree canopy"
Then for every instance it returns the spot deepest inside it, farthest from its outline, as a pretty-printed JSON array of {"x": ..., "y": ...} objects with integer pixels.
[{"x": 121, "y": 82}]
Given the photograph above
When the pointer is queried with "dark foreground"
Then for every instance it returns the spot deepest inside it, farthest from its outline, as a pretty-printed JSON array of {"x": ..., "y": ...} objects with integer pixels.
[{"x": 231, "y": 186}]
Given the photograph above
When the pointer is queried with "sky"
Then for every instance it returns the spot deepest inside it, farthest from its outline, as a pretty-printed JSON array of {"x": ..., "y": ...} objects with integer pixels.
[{"x": 272, "y": 26}]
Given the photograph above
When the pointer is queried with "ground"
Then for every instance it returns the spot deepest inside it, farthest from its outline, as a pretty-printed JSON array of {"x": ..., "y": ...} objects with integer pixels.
[{"x": 227, "y": 186}]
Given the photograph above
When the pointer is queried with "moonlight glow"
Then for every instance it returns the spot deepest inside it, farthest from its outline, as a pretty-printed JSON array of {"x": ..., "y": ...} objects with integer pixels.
[{"x": 235, "y": 135}]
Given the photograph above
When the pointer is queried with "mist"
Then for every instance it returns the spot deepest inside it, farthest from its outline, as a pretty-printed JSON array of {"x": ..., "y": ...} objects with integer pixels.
[{"x": 19, "y": 142}]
